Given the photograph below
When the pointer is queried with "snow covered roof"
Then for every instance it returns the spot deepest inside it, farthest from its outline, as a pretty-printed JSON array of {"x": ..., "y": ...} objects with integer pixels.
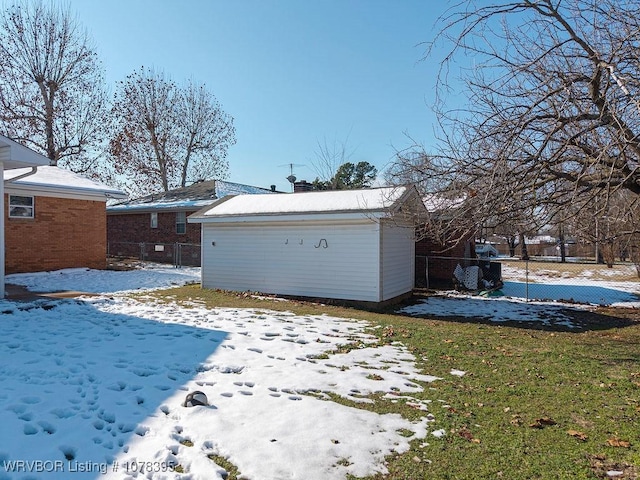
[
  {"x": 55, "y": 180},
  {"x": 368, "y": 201},
  {"x": 193, "y": 197},
  {"x": 438, "y": 203}
]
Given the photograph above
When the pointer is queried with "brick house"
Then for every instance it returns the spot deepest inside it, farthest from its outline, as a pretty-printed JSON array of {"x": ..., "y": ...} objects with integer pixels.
[
  {"x": 54, "y": 219},
  {"x": 155, "y": 227}
]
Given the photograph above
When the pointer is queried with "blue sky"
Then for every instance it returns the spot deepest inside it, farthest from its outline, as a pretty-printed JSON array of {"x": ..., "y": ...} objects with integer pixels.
[{"x": 291, "y": 73}]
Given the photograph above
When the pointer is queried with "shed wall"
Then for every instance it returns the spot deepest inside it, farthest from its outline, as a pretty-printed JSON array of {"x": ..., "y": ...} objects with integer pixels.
[
  {"x": 398, "y": 260},
  {"x": 301, "y": 259}
]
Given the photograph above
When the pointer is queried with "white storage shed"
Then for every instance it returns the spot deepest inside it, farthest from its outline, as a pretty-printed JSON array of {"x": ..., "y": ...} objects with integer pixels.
[{"x": 356, "y": 245}]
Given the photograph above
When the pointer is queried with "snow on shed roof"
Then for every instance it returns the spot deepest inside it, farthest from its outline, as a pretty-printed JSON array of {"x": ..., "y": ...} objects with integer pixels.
[
  {"x": 340, "y": 201},
  {"x": 58, "y": 179}
]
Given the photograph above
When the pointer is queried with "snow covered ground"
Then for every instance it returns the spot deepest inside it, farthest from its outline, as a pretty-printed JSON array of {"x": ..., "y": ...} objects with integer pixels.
[
  {"x": 94, "y": 387},
  {"x": 152, "y": 276}
]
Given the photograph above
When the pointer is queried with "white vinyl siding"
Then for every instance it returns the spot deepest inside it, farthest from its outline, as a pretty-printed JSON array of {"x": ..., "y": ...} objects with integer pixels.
[
  {"x": 315, "y": 260},
  {"x": 398, "y": 260}
]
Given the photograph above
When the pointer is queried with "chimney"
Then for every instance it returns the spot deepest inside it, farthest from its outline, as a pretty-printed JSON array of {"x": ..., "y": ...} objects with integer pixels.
[{"x": 302, "y": 186}]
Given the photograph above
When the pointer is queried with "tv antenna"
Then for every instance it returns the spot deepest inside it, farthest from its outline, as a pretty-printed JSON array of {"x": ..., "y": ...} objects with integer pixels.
[{"x": 292, "y": 178}]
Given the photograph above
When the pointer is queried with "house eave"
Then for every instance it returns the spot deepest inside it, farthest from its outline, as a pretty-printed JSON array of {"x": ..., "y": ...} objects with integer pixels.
[{"x": 61, "y": 191}]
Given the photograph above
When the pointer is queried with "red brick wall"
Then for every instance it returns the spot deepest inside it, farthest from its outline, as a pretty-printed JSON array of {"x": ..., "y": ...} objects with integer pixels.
[
  {"x": 65, "y": 233},
  {"x": 126, "y": 231}
]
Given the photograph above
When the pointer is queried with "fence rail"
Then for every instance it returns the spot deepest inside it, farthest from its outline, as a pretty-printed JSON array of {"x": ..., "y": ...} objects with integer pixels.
[{"x": 177, "y": 254}]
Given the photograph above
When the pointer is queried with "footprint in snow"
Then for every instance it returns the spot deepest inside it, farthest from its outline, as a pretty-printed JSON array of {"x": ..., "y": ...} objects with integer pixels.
[
  {"x": 253, "y": 349},
  {"x": 63, "y": 412},
  {"x": 68, "y": 452},
  {"x": 26, "y": 416},
  {"x": 29, "y": 429},
  {"x": 47, "y": 427}
]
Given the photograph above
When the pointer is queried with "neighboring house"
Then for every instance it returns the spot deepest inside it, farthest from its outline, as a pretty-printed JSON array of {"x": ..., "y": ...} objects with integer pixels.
[
  {"x": 155, "y": 227},
  {"x": 356, "y": 245},
  {"x": 54, "y": 219},
  {"x": 435, "y": 262}
]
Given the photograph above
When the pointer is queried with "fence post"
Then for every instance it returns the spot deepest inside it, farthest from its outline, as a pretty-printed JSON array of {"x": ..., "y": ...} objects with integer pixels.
[
  {"x": 526, "y": 279},
  {"x": 177, "y": 255},
  {"x": 426, "y": 271}
]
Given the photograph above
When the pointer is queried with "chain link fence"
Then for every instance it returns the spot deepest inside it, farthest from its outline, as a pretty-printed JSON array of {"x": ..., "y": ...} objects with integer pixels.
[
  {"x": 439, "y": 272},
  {"x": 177, "y": 254},
  {"x": 535, "y": 279}
]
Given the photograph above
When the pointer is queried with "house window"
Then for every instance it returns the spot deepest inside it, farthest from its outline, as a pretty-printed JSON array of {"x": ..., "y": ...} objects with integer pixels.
[
  {"x": 181, "y": 222},
  {"x": 20, "y": 207},
  {"x": 154, "y": 219}
]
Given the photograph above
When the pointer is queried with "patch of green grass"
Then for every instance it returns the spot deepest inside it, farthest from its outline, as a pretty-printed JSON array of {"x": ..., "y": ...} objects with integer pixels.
[
  {"x": 343, "y": 462},
  {"x": 232, "y": 470},
  {"x": 533, "y": 404}
]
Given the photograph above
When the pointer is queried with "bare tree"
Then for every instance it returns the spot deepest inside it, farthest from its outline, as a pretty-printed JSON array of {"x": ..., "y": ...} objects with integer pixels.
[
  {"x": 552, "y": 117},
  {"x": 328, "y": 157},
  {"x": 52, "y": 94},
  {"x": 165, "y": 135}
]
